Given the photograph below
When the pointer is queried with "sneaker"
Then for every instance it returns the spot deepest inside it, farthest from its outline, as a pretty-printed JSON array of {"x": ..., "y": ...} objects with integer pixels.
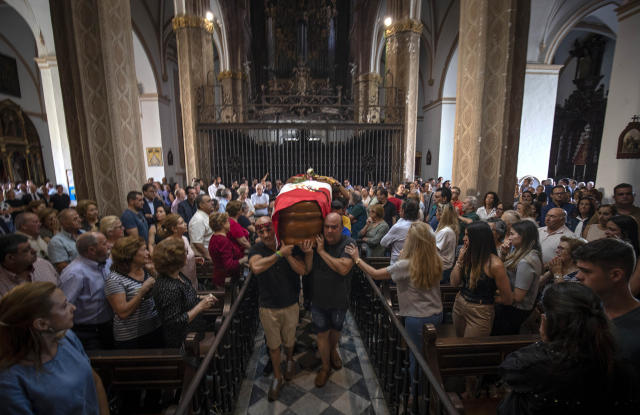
[
  {"x": 274, "y": 390},
  {"x": 322, "y": 377},
  {"x": 336, "y": 362},
  {"x": 291, "y": 370}
]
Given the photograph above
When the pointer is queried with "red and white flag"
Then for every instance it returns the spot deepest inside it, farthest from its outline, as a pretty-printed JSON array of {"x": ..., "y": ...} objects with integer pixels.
[{"x": 292, "y": 193}]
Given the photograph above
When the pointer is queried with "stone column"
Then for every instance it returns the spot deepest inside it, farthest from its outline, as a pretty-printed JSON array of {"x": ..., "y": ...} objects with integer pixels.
[
  {"x": 367, "y": 107},
  {"x": 94, "y": 45},
  {"x": 195, "y": 61},
  {"x": 403, "y": 52},
  {"x": 491, "y": 68},
  {"x": 54, "y": 106},
  {"x": 233, "y": 96},
  {"x": 623, "y": 102}
]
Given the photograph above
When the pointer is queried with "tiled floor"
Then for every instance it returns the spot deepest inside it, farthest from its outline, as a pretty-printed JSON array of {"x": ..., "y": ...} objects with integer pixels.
[{"x": 353, "y": 389}]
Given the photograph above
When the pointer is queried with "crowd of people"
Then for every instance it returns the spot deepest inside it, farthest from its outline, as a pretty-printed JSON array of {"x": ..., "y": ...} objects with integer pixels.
[{"x": 129, "y": 281}]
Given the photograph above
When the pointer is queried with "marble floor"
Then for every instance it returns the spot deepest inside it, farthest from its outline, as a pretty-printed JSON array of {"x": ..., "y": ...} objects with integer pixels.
[{"x": 354, "y": 389}]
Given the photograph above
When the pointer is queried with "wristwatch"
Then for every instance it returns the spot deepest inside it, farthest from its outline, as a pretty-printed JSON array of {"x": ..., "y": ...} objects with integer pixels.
[{"x": 358, "y": 261}]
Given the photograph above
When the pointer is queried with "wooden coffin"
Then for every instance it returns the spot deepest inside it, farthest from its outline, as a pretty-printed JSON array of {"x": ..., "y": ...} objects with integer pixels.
[{"x": 299, "y": 222}]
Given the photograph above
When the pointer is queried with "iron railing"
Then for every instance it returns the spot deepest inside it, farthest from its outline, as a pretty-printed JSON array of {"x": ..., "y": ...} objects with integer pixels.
[
  {"x": 358, "y": 152},
  {"x": 216, "y": 384},
  {"x": 388, "y": 346}
]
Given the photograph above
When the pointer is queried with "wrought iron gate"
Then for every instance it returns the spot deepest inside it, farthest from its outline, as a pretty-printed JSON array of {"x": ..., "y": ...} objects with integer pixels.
[{"x": 358, "y": 152}]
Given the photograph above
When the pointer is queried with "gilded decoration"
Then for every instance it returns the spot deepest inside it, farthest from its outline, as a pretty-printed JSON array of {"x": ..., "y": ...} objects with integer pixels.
[
  {"x": 190, "y": 21},
  {"x": 231, "y": 75},
  {"x": 408, "y": 25}
]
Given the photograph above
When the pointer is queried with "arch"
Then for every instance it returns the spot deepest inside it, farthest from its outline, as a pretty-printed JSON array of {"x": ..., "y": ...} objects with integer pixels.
[
  {"x": 377, "y": 40},
  {"x": 445, "y": 73},
  {"x": 34, "y": 77},
  {"x": 137, "y": 35},
  {"x": 375, "y": 64},
  {"x": 38, "y": 17},
  {"x": 570, "y": 23},
  {"x": 220, "y": 35}
]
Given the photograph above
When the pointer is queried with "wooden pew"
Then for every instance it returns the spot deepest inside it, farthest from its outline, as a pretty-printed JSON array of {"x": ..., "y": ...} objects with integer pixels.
[{"x": 470, "y": 356}]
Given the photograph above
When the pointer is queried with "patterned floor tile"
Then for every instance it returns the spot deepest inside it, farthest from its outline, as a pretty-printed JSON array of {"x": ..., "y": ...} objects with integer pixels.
[
  {"x": 345, "y": 377},
  {"x": 331, "y": 411},
  {"x": 360, "y": 388},
  {"x": 305, "y": 380},
  {"x": 329, "y": 392},
  {"x": 354, "y": 365},
  {"x": 309, "y": 405},
  {"x": 351, "y": 403},
  {"x": 264, "y": 407},
  {"x": 290, "y": 393}
]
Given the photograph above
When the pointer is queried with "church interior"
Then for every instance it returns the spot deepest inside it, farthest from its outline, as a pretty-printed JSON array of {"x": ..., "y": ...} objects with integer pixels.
[{"x": 103, "y": 96}]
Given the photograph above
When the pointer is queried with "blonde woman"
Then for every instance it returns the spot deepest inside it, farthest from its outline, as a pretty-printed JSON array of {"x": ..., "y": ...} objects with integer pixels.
[
  {"x": 447, "y": 238},
  {"x": 112, "y": 228},
  {"x": 524, "y": 267},
  {"x": 417, "y": 274}
]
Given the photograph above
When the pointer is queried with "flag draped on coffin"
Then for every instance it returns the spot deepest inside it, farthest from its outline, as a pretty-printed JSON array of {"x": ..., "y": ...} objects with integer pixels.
[{"x": 306, "y": 191}]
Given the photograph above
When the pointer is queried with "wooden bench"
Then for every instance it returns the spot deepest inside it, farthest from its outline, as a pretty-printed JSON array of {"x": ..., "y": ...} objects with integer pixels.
[
  {"x": 166, "y": 370},
  {"x": 470, "y": 356}
]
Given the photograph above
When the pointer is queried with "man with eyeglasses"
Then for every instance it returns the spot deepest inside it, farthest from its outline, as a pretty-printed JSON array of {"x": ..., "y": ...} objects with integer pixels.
[{"x": 558, "y": 200}]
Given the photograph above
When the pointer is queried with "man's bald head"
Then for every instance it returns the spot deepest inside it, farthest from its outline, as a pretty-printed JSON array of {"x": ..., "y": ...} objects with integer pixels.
[
  {"x": 264, "y": 229},
  {"x": 555, "y": 218},
  {"x": 332, "y": 228}
]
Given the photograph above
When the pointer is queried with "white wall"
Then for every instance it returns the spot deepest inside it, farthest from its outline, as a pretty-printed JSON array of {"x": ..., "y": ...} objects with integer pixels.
[
  {"x": 623, "y": 102},
  {"x": 447, "y": 127},
  {"x": 17, "y": 41},
  {"x": 536, "y": 125}
]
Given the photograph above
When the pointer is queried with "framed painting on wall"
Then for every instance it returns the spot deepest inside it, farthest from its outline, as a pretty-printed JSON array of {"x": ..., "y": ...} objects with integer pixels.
[
  {"x": 629, "y": 140},
  {"x": 154, "y": 156}
]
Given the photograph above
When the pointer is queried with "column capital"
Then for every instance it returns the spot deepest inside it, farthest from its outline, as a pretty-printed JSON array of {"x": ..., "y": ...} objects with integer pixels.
[
  {"x": 407, "y": 25},
  {"x": 190, "y": 21},
  {"x": 231, "y": 75},
  {"x": 543, "y": 69},
  {"x": 46, "y": 62},
  {"x": 369, "y": 77}
]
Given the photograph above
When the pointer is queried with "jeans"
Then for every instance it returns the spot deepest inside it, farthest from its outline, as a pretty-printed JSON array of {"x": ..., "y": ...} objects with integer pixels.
[{"x": 413, "y": 325}]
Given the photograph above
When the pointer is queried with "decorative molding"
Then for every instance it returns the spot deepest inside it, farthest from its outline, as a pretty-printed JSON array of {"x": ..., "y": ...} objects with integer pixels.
[
  {"x": 408, "y": 25},
  {"x": 441, "y": 101},
  {"x": 543, "y": 69},
  {"x": 231, "y": 75},
  {"x": 190, "y": 21},
  {"x": 627, "y": 10},
  {"x": 369, "y": 77},
  {"x": 46, "y": 62},
  {"x": 154, "y": 97}
]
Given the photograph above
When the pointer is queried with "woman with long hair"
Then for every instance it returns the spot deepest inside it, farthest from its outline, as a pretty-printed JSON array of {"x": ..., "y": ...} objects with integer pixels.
[
  {"x": 488, "y": 208},
  {"x": 524, "y": 267},
  {"x": 174, "y": 227},
  {"x": 154, "y": 237},
  {"x": 447, "y": 238},
  {"x": 480, "y": 272},
  {"x": 586, "y": 209},
  {"x": 573, "y": 370},
  {"x": 598, "y": 230},
  {"x": 417, "y": 274},
  {"x": 41, "y": 359}
]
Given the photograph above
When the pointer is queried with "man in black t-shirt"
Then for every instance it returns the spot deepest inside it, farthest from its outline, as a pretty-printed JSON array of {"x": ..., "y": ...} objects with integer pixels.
[
  {"x": 390, "y": 211},
  {"x": 331, "y": 280},
  {"x": 60, "y": 200},
  {"x": 278, "y": 273}
]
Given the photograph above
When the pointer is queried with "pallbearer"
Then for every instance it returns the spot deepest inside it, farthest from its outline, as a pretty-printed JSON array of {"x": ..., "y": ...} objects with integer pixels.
[{"x": 278, "y": 273}]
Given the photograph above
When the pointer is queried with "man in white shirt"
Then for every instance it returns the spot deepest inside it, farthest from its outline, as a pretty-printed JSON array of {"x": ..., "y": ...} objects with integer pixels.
[
  {"x": 260, "y": 201},
  {"x": 409, "y": 211},
  {"x": 214, "y": 187},
  {"x": 199, "y": 230},
  {"x": 550, "y": 235}
]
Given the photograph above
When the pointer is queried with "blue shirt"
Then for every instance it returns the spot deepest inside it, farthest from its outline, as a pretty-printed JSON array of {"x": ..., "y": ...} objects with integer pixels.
[
  {"x": 62, "y": 248},
  {"x": 83, "y": 283},
  {"x": 137, "y": 220},
  {"x": 64, "y": 385}
]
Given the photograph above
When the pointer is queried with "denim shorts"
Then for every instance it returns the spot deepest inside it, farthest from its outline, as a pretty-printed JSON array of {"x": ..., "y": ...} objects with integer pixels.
[{"x": 327, "y": 319}]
